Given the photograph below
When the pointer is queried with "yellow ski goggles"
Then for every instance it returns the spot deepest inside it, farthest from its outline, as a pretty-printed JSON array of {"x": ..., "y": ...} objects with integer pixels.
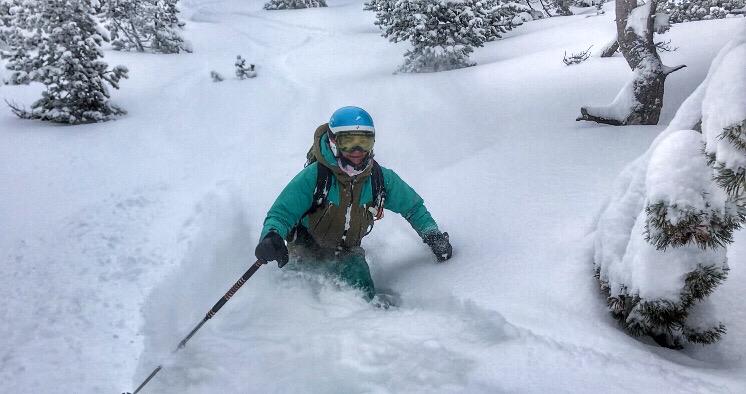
[{"x": 350, "y": 142}]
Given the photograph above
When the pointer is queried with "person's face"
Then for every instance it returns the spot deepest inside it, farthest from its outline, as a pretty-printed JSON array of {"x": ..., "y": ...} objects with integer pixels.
[{"x": 356, "y": 157}]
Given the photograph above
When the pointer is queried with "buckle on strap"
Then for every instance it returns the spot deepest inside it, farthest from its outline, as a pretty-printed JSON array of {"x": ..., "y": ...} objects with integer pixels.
[{"x": 376, "y": 211}]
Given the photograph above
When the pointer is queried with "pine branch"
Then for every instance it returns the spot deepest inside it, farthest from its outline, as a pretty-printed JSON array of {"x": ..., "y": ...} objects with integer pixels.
[
  {"x": 665, "y": 46},
  {"x": 707, "y": 336},
  {"x": 736, "y": 135},
  {"x": 732, "y": 181},
  {"x": 576, "y": 58},
  {"x": 701, "y": 282},
  {"x": 18, "y": 110},
  {"x": 706, "y": 229}
]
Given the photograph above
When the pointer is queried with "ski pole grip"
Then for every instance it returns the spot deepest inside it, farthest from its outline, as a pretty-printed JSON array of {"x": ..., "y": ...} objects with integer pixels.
[{"x": 232, "y": 291}]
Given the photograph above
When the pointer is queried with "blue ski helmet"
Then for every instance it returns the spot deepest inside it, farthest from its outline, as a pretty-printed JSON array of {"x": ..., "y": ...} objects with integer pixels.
[{"x": 351, "y": 119}]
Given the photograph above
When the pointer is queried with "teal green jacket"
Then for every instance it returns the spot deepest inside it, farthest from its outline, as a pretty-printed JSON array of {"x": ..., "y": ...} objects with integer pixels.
[{"x": 295, "y": 200}]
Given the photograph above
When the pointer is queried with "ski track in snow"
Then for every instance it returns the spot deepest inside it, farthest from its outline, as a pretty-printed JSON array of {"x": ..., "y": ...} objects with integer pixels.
[{"x": 129, "y": 231}]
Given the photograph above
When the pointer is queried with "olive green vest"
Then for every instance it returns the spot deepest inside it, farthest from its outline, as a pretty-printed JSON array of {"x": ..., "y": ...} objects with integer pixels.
[{"x": 345, "y": 225}]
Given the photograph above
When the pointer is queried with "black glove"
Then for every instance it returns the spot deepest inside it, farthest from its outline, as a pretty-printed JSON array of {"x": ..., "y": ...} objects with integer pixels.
[
  {"x": 438, "y": 242},
  {"x": 272, "y": 247}
]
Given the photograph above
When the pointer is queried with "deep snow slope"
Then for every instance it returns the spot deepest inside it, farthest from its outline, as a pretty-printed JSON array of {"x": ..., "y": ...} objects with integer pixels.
[{"x": 118, "y": 237}]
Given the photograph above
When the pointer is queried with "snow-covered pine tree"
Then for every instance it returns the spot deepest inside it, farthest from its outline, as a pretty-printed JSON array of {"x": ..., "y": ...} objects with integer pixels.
[
  {"x": 562, "y": 7},
  {"x": 293, "y": 4},
  {"x": 19, "y": 22},
  {"x": 20, "y": 36},
  {"x": 142, "y": 25},
  {"x": 9, "y": 33},
  {"x": 383, "y": 10},
  {"x": 442, "y": 32},
  {"x": 166, "y": 26},
  {"x": 694, "y": 10},
  {"x": 68, "y": 63},
  {"x": 435, "y": 29},
  {"x": 660, "y": 246},
  {"x": 126, "y": 21},
  {"x": 242, "y": 70},
  {"x": 686, "y": 224},
  {"x": 502, "y": 17}
]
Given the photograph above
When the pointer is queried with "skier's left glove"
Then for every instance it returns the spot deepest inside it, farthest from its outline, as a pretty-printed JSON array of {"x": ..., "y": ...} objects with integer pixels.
[{"x": 440, "y": 245}]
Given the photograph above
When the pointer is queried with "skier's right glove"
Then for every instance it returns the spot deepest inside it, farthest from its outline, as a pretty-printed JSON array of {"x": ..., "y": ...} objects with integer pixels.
[
  {"x": 439, "y": 244},
  {"x": 272, "y": 247}
]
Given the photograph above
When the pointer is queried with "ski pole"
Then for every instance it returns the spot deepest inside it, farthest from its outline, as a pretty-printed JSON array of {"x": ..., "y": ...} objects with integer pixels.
[{"x": 215, "y": 308}]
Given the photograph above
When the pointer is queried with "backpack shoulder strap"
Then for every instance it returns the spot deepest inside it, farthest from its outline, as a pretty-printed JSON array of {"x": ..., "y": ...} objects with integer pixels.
[
  {"x": 379, "y": 190},
  {"x": 321, "y": 191}
]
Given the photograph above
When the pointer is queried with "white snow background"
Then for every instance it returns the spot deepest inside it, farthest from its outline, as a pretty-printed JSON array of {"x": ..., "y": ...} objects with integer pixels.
[{"x": 118, "y": 237}]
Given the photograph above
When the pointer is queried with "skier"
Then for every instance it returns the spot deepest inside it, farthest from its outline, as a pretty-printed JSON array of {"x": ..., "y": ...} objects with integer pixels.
[{"x": 326, "y": 210}]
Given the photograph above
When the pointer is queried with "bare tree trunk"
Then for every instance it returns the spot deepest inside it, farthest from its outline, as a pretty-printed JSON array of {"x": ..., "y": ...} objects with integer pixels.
[{"x": 641, "y": 100}]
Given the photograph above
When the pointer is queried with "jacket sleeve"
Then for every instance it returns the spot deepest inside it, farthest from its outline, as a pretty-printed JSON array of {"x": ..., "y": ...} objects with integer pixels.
[
  {"x": 402, "y": 199},
  {"x": 292, "y": 202}
]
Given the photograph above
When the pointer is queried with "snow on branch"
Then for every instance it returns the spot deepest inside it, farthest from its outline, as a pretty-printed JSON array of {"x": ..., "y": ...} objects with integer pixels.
[{"x": 610, "y": 48}]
